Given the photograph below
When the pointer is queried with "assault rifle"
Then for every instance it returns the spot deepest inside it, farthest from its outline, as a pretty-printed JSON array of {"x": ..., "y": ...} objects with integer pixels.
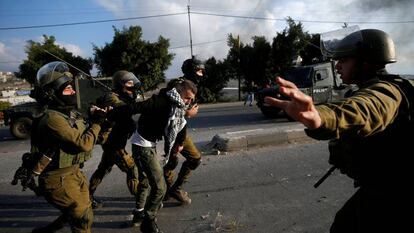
[{"x": 32, "y": 166}]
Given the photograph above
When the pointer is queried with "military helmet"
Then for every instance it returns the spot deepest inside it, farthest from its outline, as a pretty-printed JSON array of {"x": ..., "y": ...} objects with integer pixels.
[
  {"x": 121, "y": 77},
  {"x": 191, "y": 66},
  {"x": 53, "y": 75},
  {"x": 370, "y": 45}
]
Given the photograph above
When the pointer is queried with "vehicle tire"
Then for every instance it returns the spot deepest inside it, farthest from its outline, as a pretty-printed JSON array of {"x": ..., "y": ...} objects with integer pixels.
[
  {"x": 270, "y": 112},
  {"x": 20, "y": 127}
]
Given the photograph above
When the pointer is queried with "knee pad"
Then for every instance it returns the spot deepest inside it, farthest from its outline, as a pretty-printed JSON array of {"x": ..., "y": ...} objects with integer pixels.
[
  {"x": 83, "y": 221},
  {"x": 172, "y": 163},
  {"x": 192, "y": 164}
]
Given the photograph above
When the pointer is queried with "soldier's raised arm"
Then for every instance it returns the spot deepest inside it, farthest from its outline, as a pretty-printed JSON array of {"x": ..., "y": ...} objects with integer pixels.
[{"x": 300, "y": 106}]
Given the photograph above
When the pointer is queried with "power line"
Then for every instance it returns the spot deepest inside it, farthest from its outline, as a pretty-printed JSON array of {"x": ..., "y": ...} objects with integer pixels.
[
  {"x": 299, "y": 20},
  {"x": 202, "y": 13},
  {"x": 90, "y": 22},
  {"x": 198, "y": 44}
]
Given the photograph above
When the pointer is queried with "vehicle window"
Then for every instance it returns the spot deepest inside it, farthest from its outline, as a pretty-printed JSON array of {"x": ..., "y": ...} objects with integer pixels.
[
  {"x": 322, "y": 78},
  {"x": 300, "y": 76}
]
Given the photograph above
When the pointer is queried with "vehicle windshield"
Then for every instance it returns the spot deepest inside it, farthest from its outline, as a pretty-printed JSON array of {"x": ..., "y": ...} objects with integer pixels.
[{"x": 300, "y": 76}]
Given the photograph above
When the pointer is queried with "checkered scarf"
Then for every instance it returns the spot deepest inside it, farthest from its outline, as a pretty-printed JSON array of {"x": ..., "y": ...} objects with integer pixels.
[{"x": 176, "y": 121}]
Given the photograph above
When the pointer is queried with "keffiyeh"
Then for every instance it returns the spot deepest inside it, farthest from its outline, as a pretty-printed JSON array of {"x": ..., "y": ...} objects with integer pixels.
[{"x": 176, "y": 121}]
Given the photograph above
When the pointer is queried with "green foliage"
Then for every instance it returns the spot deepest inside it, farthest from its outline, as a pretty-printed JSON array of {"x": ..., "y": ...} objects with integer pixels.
[
  {"x": 128, "y": 51},
  {"x": 37, "y": 57},
  {"x": 311, "y": 53},
  {"x": 215, "y": 79},
  {"x": 255, "y": 60},
  {"x": 261, "y": 61},
  {"x": 287, "y": 45}
]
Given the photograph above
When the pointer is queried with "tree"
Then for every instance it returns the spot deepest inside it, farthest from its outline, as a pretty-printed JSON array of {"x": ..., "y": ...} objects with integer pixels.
[
  {"x": 260, "y": 61},
  {"x": 250, "y": 62},
  {"x": 287, "y": 45},
  {"x": 129, "y": 52},
  {"x": 39, "y": 54},
  {"x": 312, "y": 52},
  {"x": 255, "y": 61},
  {"x": 216, "y": 77}
]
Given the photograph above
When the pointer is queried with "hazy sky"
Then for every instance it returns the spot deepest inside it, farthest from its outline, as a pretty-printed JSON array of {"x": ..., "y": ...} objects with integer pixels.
[{"x": 211, "y": 20}]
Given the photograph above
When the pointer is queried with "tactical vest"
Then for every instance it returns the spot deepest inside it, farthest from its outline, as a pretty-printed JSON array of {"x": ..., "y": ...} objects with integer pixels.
[
  {"x": 116, "y": 137},
  {"x": 384, "y": 157},
  {"x": 61, "y": 159}
]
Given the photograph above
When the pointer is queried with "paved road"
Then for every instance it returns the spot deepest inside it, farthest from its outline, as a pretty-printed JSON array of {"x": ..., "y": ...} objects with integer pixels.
[{"x": 257, "y": 190}]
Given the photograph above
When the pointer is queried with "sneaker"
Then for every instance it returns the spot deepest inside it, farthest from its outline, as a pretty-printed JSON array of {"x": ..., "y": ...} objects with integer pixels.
[
  {"x": 149, "y": 226},
  {"x": 96, "y": 203},
  {"x": 181, "y": 196},
  {"x": 138, "y": 216}
]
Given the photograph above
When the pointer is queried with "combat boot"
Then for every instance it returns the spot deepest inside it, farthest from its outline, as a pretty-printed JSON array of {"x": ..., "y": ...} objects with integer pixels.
[
  {"x": 181, "y": 196},
  {"x": 95, "y": 202},
  {"x": 149, "y": 226},
  {"x": 138, "y": 216},
  {"x": 53, "y": 227}
]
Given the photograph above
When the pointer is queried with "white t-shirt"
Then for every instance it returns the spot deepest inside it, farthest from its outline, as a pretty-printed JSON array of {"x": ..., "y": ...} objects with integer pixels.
[{"x": 137, "y": 139}]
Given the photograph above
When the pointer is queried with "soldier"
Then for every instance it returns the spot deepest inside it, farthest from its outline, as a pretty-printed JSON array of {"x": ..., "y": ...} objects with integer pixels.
[
  {"x": 369, "y": 133},
  {"x": 162, "y": 116},
  {"x": 125, "y": 89},
  {"x": 62, "y": 135},
  {"x": 193, "y": 70}
]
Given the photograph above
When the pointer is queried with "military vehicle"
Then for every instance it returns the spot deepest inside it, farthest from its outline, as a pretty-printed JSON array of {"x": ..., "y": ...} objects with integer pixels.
[
  {"x": 320, "y": 81},
  {"x": 19, "y": 118}
]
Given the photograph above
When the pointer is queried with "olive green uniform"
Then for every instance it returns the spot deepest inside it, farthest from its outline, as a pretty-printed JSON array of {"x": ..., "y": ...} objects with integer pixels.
[
  {"x": 114, "y": 148},
  {"x": 62, "y": 183},
  {"x": 192, "y": 160},
  {"x": 372, "y": 133}
]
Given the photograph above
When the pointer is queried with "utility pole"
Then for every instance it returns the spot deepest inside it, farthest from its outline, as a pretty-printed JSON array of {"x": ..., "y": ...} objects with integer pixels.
[
  {"x": 189, "y": 26},
  {"x": 238, "y": 62}
]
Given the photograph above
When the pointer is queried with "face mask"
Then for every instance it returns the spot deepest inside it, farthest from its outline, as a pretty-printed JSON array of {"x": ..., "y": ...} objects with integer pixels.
[
  {"x": 68, "y": 96},
  {"x": 69, "y": 100}
]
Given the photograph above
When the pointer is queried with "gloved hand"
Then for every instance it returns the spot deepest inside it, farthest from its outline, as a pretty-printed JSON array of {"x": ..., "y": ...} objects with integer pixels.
[
  {"x": 119, "y": 112},
  {"x": 97, "y": 115}
]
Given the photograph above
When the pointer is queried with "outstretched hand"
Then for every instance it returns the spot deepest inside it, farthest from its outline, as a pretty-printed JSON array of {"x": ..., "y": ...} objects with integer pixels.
[{"x": 299, "y": 106}]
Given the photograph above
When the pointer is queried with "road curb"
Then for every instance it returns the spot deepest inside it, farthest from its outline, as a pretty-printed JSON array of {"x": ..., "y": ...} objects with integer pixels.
[{"x": 246, "y": 139}]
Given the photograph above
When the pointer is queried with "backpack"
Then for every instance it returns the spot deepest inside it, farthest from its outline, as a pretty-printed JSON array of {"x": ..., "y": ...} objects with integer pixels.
[{"x": 407, "y": 88}]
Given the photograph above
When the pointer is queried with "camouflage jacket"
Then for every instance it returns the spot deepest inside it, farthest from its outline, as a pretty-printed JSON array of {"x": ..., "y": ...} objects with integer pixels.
[
  {"x": 371, "y": 132},
  {"x": 72, "y": 139}
]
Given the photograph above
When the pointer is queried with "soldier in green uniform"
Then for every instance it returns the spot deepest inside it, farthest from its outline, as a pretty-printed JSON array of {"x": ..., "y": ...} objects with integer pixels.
[
  {"x": 370, "y": 132},
  {"x": 64, "y": 136},
  {"x": 125, "y": 89},
  {"x": 193, "y": 70},
  {"x": 162, "y": 116}
]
